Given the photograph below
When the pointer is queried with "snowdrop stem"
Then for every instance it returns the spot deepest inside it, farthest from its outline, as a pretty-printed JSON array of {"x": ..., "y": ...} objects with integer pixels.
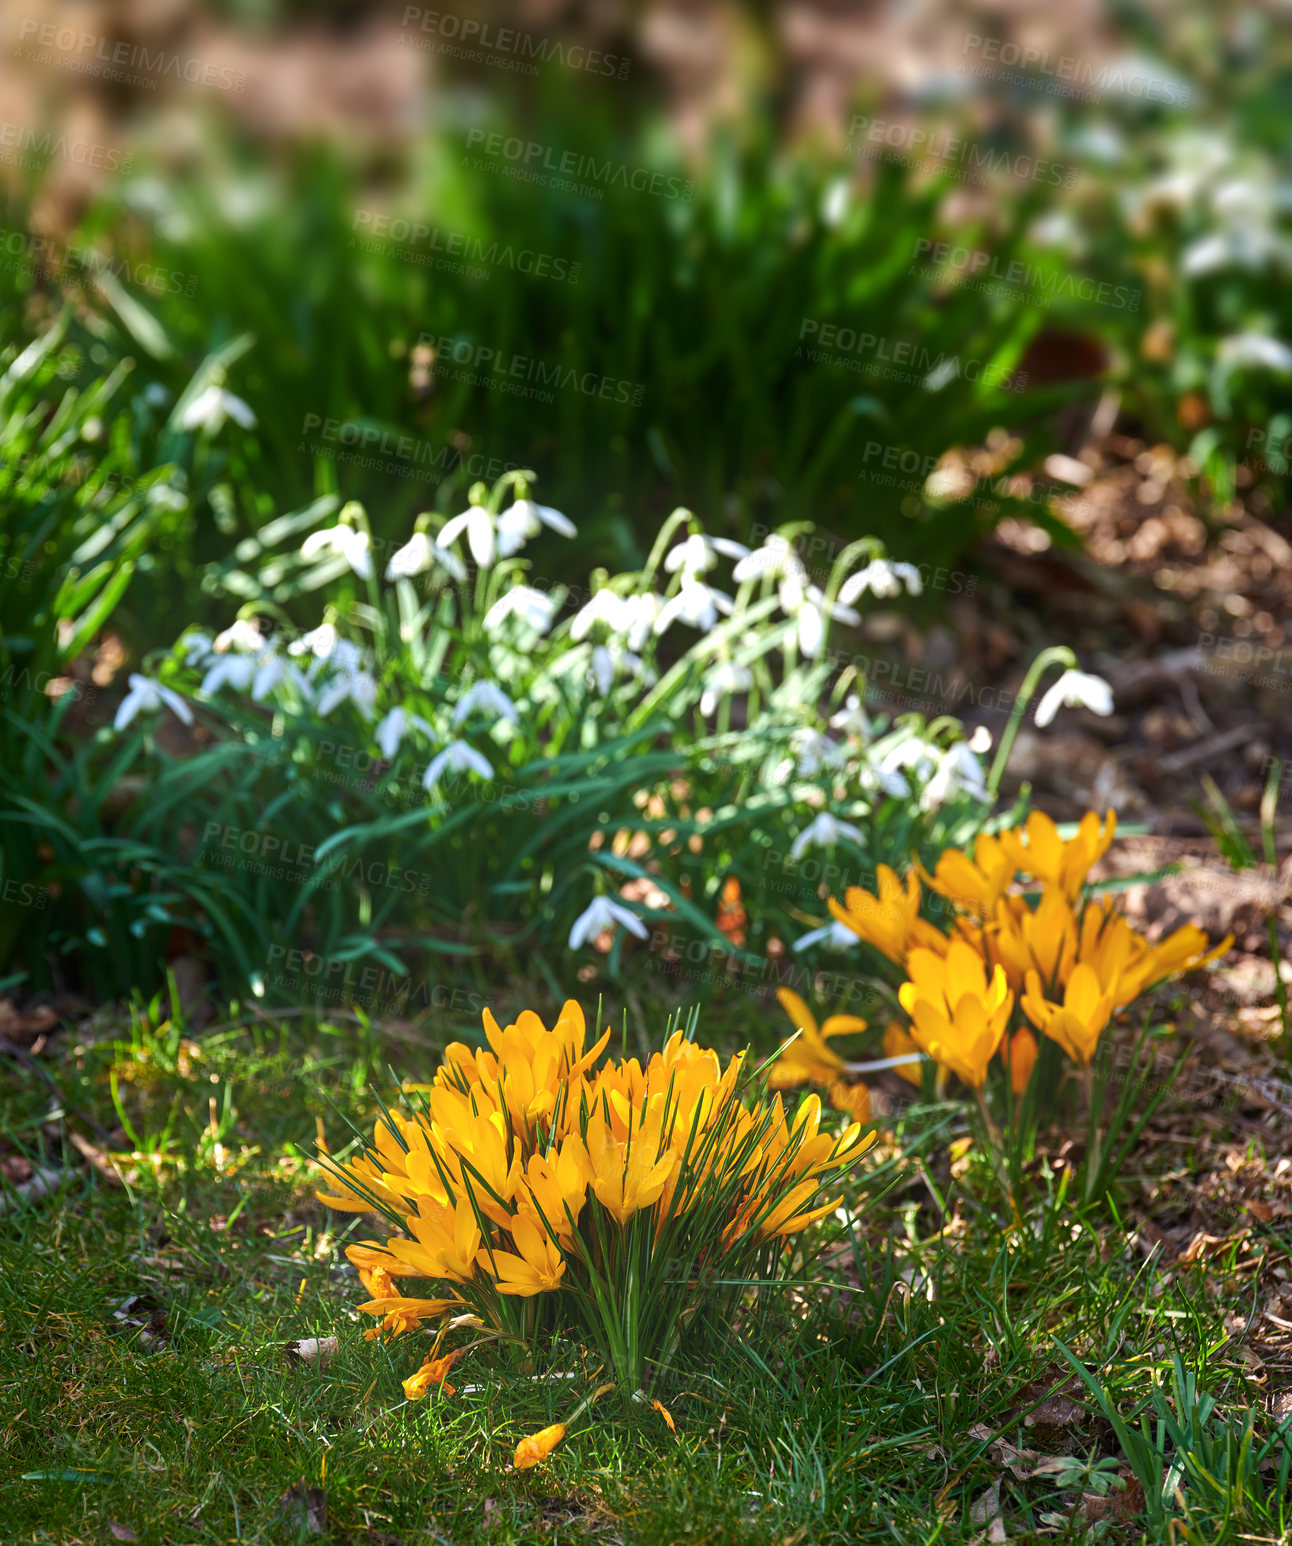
[
  {"x": 678, "y": 517},
  {"x": 865, "y": 547},
  {"x": 1058, "y": 654}
]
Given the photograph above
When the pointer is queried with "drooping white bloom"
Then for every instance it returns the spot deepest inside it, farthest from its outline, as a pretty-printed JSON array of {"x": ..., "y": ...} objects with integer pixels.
[
  {"x": 882, "y": 579},
  {"x": 643, "y": 610},
  {"x": 601, "y": 914},
  {"x": 457, "y": 757},
  {"x": 526, "y": 519},
  {"x": 824, "y": 831},
  {"x": 612, "y": 660},
  {"x": 478, "y": 523},
  {"x": 808, "y": 606},
  {"x": 238, "y": 671},
  {"x": 853, "y": 719},
  {"x": 358, "y": 687},
  {"x": 352, "y": 544},
  {"x": 696, "y": 604},
  {"x": 605, "y": 607},
  {"x": 325, "y": 644},
  {"x": 837, "y": 935},
  {"x": 197, "y": 646},
  {"x": 488, "y": 698},
  {"x": 886, "y": 779},
  {"x": 242, "y": 634},
  {"x": 958, "y": 769},
  {"x": 725, "y": 678},
  {"x": 395, "y": 726},
  {"x": 419, "y": 554},
  {"x": 524, "y": 602},
  {"x": 147, "y": 694},
  {"x": 775, "y": 560},
  {"x": 271, "y": 672},
  {"x": 698, "y": 554},
  {"x": 814, "y": 750},
  {"x": 980, "y": 740},
  {"x": 1075, "y": 690},
  {"x": 1257, "y": 350},
  {"x": 211, "y": 407}
]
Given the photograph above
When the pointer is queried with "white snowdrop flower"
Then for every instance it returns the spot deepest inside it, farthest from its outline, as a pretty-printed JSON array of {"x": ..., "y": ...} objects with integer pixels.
[
  {"x": 612, "y": 660},
  {"x": 852, "y": 719},
  {"x": 1258, "y": 350},
  {"x": 837, "y": 935},
  {"x": 211, "y": 407},
  {"x": 348, "y": 541},
  {"x": 197, "y": 646},
  {"x": 271, "y": 672},
  {"x": 421, "y": 553},
  {"x": 980, "y": 740},
  {"x": 601, "y": 914},
  {"x": 810, "y": 611},
  {"x": 243, "y": 634},
  {"x": 642, "y": 612},
  {"x": 605, "y": 607},
  {"x": 1075, "y": 690},
  {"x": 834, "y": 205},
  {"x": 395, "y": 726},
  {"x": 888, "y": 780},
  {"x": 147, "y": 694},
  {"x": 824, "y": 831},
  {"x": 918, "y": 756},
  {"x": 957, "y": 770},
  {"x": 478, "y": 523},
  {"x": 238, "y": 671},
  {"x": 882, "y": 578},
  {"x": 725, "y": 678},
  {"x": 524, "y": 602},
  {"x": 488, "y": 698},
  {"x": 696, "y": 604},
  {"x": 814, "y": 750},
  {"x": 457, "y": 757},
  {"x": 698, "y": 554},
  {"x": 319, "y": 642},
  {"x": 529, "y": 517},
  {"x": 775, "y": 560},
  {"x": 357, "y": 687}
]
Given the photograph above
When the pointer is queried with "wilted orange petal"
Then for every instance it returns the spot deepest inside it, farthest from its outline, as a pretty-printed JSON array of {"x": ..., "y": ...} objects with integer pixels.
[
  {"x": 538, "y": 1446},
  {"x": 665, "y": 1414}
]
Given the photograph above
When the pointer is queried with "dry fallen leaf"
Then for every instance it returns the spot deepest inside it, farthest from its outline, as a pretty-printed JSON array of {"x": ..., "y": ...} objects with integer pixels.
[
  {"x": 306, "y": 1508},
  {"x": 316, "y": 1350},
  {"x": 121, "y": 1532}
]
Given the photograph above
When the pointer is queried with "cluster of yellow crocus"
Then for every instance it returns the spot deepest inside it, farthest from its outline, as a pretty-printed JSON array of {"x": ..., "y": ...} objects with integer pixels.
[
  {"x": 526, "y": 1170},
  {"x": 1028, "y": 950}
]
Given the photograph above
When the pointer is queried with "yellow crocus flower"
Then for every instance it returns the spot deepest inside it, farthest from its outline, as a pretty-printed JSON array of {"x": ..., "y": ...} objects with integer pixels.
[
  {"x": 976, "y": 884},
  {"x": 1078, "y": 1024},
  {"x": 890, "y": 921},
  {"x": 958, "y": 1015},
  {"x": 538, "y": 1446},
  {"x": 627, "y": 1175},
  {"x": 808, "y": 1059},
  {"x": 539, "y": 1266},
  {"x": 1048, "y": 859}
]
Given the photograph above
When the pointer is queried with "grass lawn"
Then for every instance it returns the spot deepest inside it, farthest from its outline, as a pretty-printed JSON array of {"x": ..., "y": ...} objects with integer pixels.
[{"x": 149, "y": 1312}]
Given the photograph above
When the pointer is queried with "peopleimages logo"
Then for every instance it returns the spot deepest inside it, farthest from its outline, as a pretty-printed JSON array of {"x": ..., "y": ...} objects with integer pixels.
[
  {"x": 530, "y": 161},
  {"x": 522, "y": 374},
  {"x": 22, "y": 145},
  {"x": 89, "y": 53},
  {"x": 454, "y": 251},
  {"x": 464, "y": 37},
  {"x": 930, "y": 369},
  {"x": 1069, "y": 75},
  {"x": 980, "y": 267}
]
